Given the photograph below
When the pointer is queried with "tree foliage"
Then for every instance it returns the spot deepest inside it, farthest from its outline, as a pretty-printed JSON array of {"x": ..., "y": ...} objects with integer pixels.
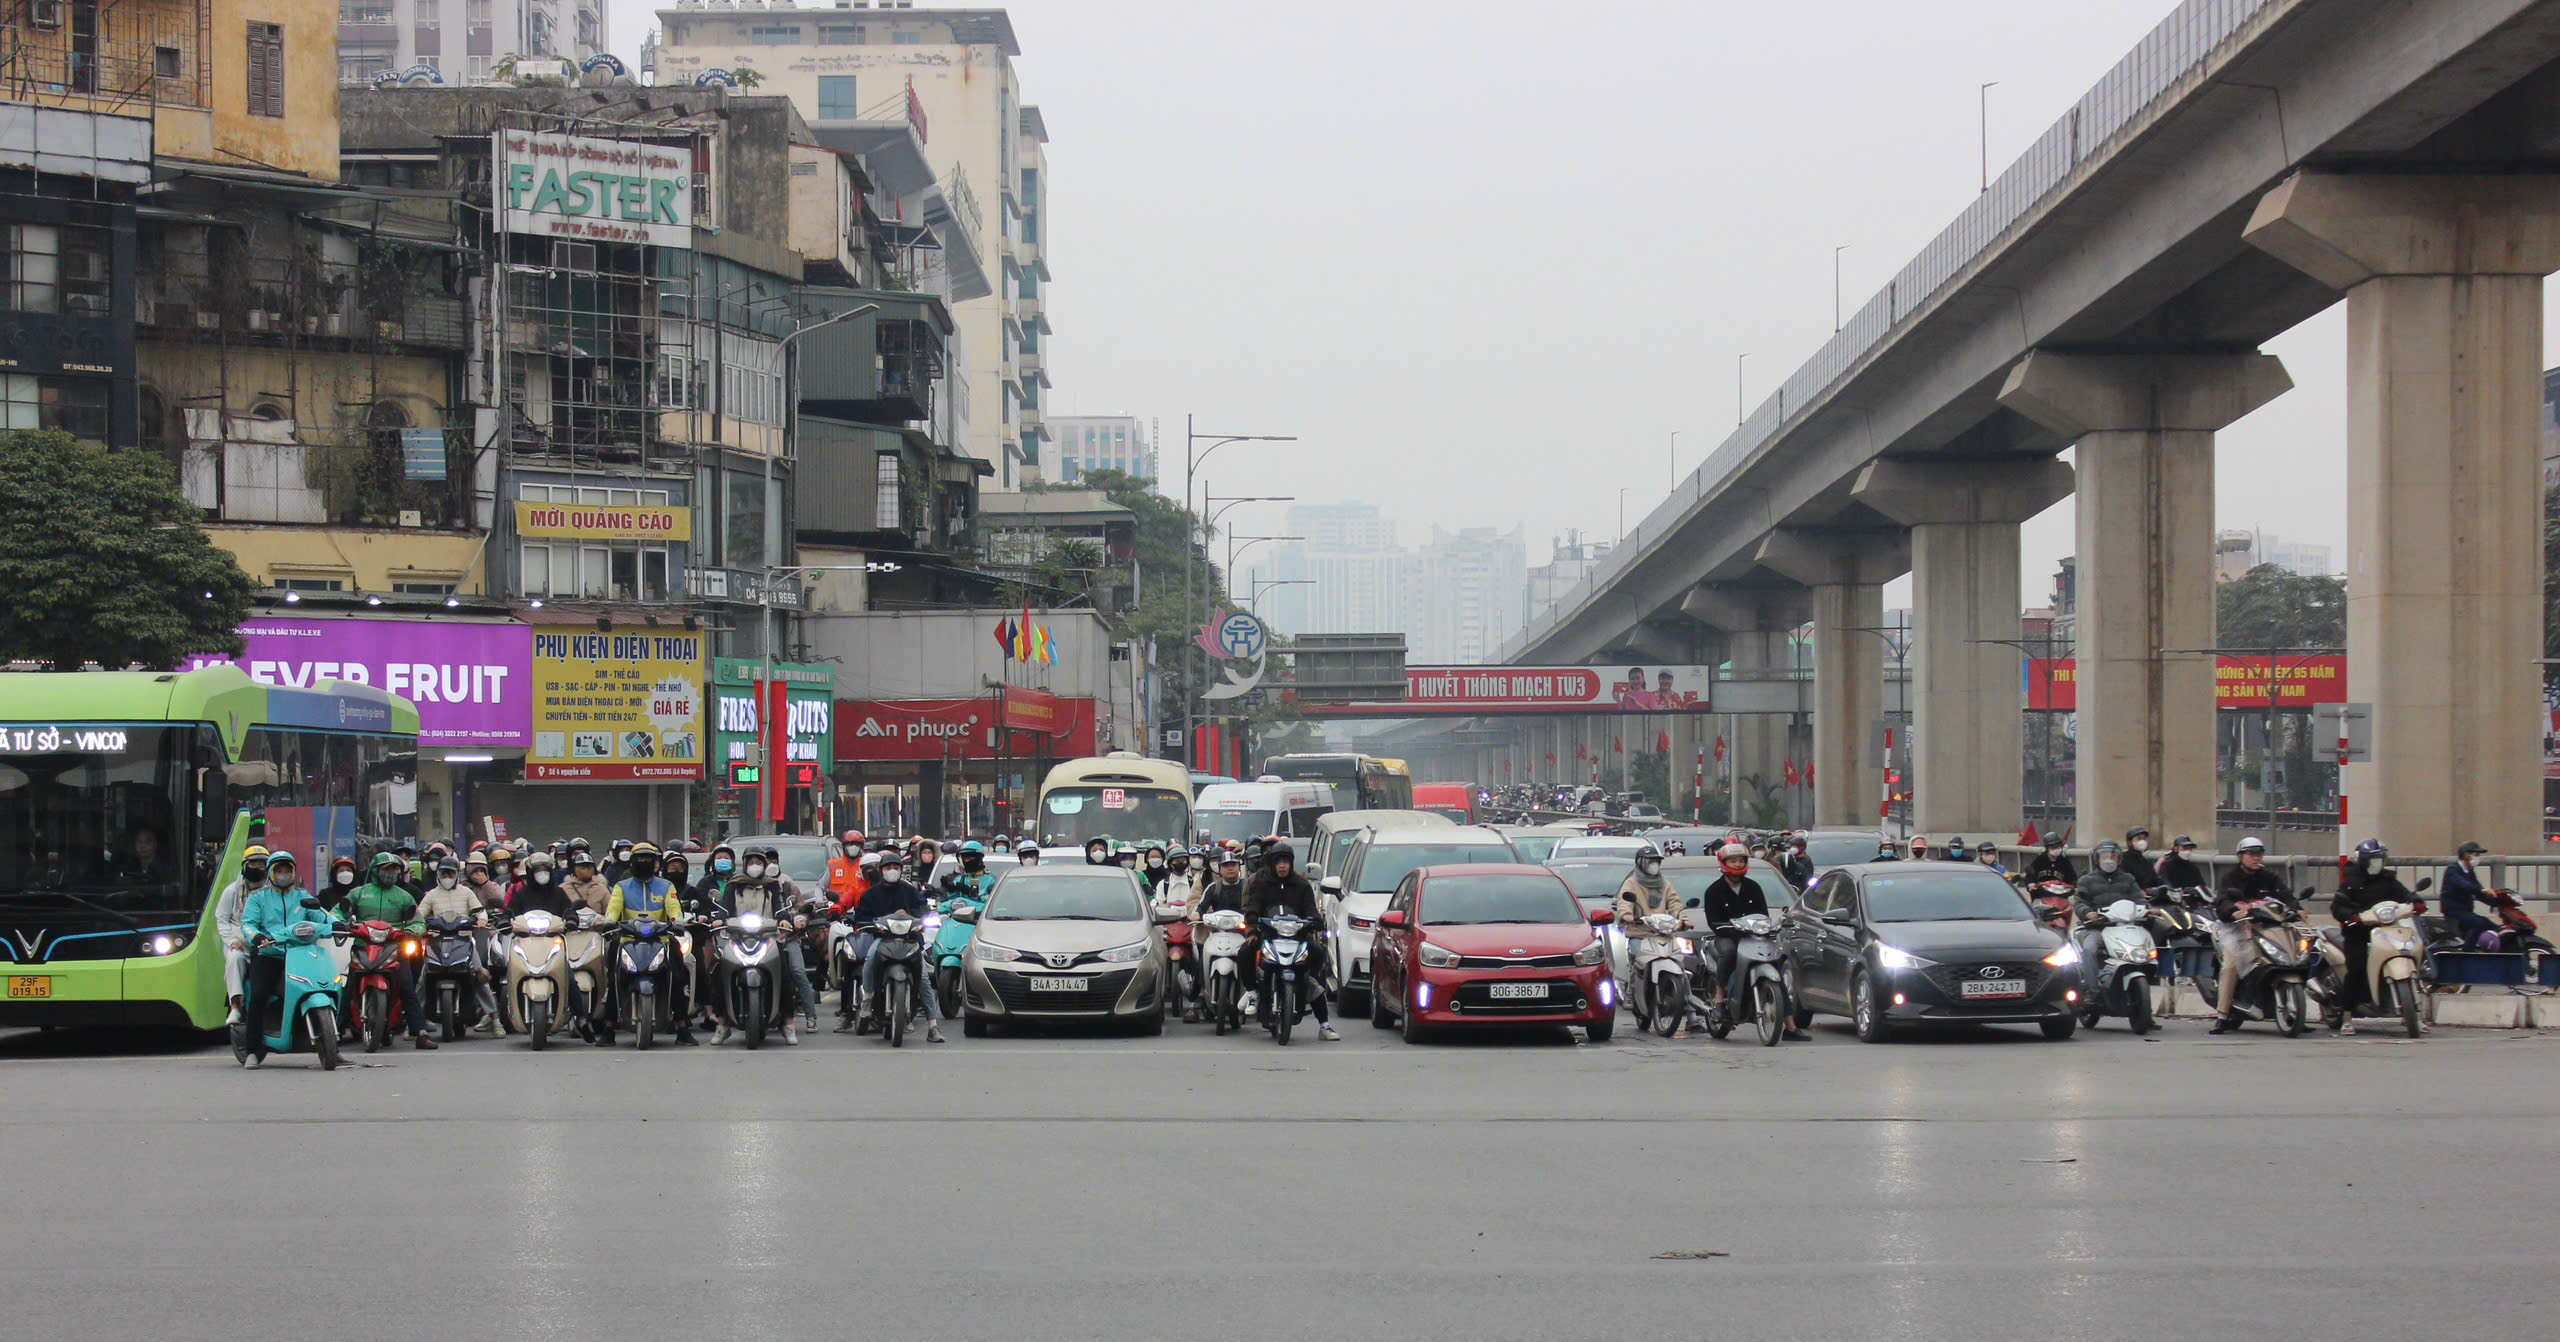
[
  {"x": 2270, "y": 607},
  {"x": 106, "y": 561}
]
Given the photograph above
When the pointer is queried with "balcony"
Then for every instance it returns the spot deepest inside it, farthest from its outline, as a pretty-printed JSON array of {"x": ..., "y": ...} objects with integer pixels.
[
  {"x": 885, "y": 367},
  {"x": 242, "y": 469},
  {"x": 188, "y": 289}
]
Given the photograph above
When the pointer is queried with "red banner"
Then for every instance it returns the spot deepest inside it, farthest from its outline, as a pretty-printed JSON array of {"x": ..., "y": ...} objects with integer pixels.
[
  {"x": 2238, "y": 682},
  {"x": 1031, "y": 710},
  {"x": 955, "y": 729},
  {"x": 1473, "y": 690}
]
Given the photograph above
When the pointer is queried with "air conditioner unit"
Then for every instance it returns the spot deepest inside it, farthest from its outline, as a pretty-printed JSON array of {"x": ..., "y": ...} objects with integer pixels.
[
  {"x": 411, "y": 517},
  {"x": 45, "y": 14}
]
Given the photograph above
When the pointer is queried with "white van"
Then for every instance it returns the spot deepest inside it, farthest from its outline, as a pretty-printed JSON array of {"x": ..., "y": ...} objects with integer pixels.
[
  {"x": 1335, "y": 833},
  {"x": 1249, "y": 811}
]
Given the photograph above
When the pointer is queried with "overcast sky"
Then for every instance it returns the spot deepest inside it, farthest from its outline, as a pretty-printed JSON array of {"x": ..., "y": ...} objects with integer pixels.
[{"x": 1484, "y": 258}]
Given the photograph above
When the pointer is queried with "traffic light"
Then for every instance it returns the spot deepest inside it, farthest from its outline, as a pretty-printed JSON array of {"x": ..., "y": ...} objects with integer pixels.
[
  {"x": 800, "y": 775},
  {"x": 743, "y": 774}
]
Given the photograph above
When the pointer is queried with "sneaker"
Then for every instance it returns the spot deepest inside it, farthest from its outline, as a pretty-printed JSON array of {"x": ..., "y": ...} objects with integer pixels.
[
  {"x": 1191, "y": 1015},
  {"x": 2225, "y": 1025},
  {"x": 723, "y": 1036},
  {"x": 258, "y": 1058},
  {"x": 810, "y": 1024},
  {"x": 1681, "y": 1032},
  {"x": 1795, "y": 1034},
  {"x": 2347, "y": 1027},
  {"x": 685, "y": 1037},
  {"x": 421, "y": 1041},
  {"x": 487, "y": 1025},
  {"x": 234, "y": 1017},
  {"x": 791, "y": 1033},
  {"x": 602, "y": 1039},
  {"x": 844, "y": 1025},
  {"x": 1326, "y": 1031},
  {"x": 933, "y": 1034}
]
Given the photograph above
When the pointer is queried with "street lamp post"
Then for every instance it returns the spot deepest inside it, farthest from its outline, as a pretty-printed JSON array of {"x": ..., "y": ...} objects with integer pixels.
[
  {"x": 1254, "y": 602},
  {"x": 1897, "y": 639},
  {"x": 2275, "y": 678},
  {"x": 769, "y": 794},
  {"x": 1215, "y": 506},
  {"x": 1192, "y": 455}
]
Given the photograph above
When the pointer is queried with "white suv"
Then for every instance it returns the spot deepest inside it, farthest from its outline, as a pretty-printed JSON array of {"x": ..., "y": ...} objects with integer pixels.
[{"x": 1354, "y": 898}]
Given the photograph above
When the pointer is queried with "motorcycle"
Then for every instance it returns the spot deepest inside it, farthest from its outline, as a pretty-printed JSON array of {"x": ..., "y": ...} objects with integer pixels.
[
  {"x": 1286, "y": 992},
  {"x": 2273, "y": 987},
  {"x": 2180, "y": 925},
  {"x": 2393, "y": 967},
  {"x": 1222, "y": 950},
  {"x": 377, "y": 950},
  {"x": 644, "y": 980},
  {"x": 2119, "y": 983},
  {"x": 305, "y": 1013},
  {"x": 950, "y": 942},
  {"x": 449, "y": 978},
  {"x": 750, "y": 976},
  {"x": 2052, "y": 901},
  {"x": 901, "y": 952},
  {"x": 585, "y": 945},
  {"x": 1179, "y": 959},
  {"x": 845, "y": 968},
  {"x": 1763, "y": 1001},
  {"x": 1657, "y": 986},
  {"x": 491, "y": 943},
  {"x": 537, "y": 974}
]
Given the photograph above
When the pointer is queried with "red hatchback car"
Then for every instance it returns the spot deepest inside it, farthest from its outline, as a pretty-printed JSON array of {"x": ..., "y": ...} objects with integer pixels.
[{"x": 1490, "y": 944}]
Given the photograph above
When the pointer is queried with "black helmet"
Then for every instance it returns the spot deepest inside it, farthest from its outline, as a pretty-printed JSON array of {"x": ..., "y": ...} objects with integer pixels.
[
  {"x": 1279, "y": 853},
  {"x": 2470, "y": 846}
]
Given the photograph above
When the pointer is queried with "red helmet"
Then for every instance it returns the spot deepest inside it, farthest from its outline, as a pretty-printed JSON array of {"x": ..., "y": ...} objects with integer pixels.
[{"x": 1734, "y": 857}]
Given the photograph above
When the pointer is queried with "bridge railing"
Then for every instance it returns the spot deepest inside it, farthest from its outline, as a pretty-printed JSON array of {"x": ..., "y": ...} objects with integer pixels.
[{"x": 2177, "y": 51}]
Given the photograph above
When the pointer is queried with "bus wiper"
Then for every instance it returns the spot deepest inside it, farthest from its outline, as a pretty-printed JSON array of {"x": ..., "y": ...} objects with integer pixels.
[{"x": 118, "y": 914}]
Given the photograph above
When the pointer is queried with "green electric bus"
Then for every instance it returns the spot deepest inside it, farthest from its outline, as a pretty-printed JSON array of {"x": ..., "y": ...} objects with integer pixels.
[{"x": 126, "y": 799}]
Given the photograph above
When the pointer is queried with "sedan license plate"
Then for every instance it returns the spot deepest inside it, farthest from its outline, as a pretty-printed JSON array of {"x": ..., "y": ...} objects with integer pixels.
[
  {"x": 1995, "y": 988},
  {"x": 23, "y": 987},
  {"x": 1057, "y": 985},
  {"x": 1502, "y": 991}
]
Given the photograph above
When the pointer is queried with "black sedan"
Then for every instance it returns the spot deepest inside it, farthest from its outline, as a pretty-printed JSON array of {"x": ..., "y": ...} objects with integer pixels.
[{"x": 1891, "y": 943}]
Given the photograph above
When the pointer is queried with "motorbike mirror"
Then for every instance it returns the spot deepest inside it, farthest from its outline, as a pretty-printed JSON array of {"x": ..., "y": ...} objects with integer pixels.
[
  {"x": 1167, "y": 913},
  {"x": 2426, "y": 885},
  {"x": 1391, "y": 918},
  {"x": 1603, "y": 917},
  {"x": 1332, "y": 885},
  {"x": 964, "y": 915},
  {"x": 311, "y": 903}
]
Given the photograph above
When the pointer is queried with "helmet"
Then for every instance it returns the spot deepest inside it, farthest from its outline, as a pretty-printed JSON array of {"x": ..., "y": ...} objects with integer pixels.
[
  {"x": 580, "y": 857},
  {"x": 281, "y": 858},
  {"x": 2053, "y": 843},
  {"x": 539, "y": 862},
  {"x": 973, "y": 846},
  {"x": 381, "y": 860},
  {"x": 2470, "y": 846},
  {"x": 477, "y": 859},
  {"x": 641, "y": 850},
  {"x": 2183, "y": 841},
  {"x": 1229, "y": 857},
  {"x": 2137, "y": 832},
  {"x": 1279, "y": 853},
  {"x": 2106, "y": 848},
  {"x": 2372, "y": 848},
  {"x": 871, "y": 860},
  {"x": 1025, "y": 848},
  {"x": 2252, "y": 844},
  {"x": 446, "y": 866},
  {"x": 256, "y": 852},
  {"x": 1677, "y": 848},
  {"x": 1955, "y": 850},
  {"x": 1734, "y": 856},
  {"x": 769, "y": 853}
]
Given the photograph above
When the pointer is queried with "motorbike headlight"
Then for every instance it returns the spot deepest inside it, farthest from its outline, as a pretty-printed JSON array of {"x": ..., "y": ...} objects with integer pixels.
[
  {"x": 1441, "y": 957},
  {"x": 409, "y": 948},
  {"x": 1684, "y": 945},
  {"x": 1894, "y": 957},
  {"x": 1592, "y": 953},
  {"x": 2065, "y": 954},
  {"x": 993, "y": 954},
  {"x": 1118, "y": 955},
  {"x": 750, "y": 922}
]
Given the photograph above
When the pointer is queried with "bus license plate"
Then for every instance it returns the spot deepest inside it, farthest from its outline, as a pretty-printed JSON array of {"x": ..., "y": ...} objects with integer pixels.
[
  {"x": 27, "y": 986},
  {"x": 1501, "y": 991},
  {"x": 1057, "y": 985}
]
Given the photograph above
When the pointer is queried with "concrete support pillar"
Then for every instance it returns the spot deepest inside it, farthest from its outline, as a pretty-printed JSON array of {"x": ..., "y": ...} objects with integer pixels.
[
  {"x": 2143, "y": 425},
  {"x": 1968, "y": 739},
  {"x": 1681, "y": 768},
  {"x": 2443, "y": 277},
  {"x": 1757, "y": 624},
  {"x": 1846, "y": 572}
]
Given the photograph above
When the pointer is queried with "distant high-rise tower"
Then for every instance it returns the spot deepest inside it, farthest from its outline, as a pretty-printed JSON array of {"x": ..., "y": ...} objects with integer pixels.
[{"x": 462, "y": 40}]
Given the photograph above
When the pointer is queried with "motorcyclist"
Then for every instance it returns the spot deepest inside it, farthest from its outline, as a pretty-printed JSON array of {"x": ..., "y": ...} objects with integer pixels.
[
  {"x": 2138, "y": 859},
  {"x": 1124, "y": 855},
  {"x": 1957, "y": 851},
  {"x": 504, "y": 873},
  {"x": 1226, "y": 891},
  {"x": 2109, "y": 880},
  {"x": 587, "y": 885},
  {"x": 1919, "y": 848},
  {"x": 2052, "y": 865},
  {"x": 1277, "y": 889},
  {"x": 226, "y": 923},
  {"x": 1989, "y": 856},
  {"x": 1097, "y": 852},
  {"x": 892, "y": 893},
  {"x": 341, "y": 886},
  {"x": 383, "y": 898},
  {"x": 844, "y": 870},
  {"x": 1646, "y": 892},
  {"x": 2248, "y": 882},
  {"x": 478, "y": 881},
  {"x": 972, "y": 880},
  {"x": 759, "y": 887},
  {"x": 2180, "y": 870},
  {"x": 539, "y": 891},
  {"x": 453, "y": 898},
  {"x": 1733, "y": 894},
  {"x": 1798, "y": 867},
  {"x": 269, "y": 917},
  {"x": 2366, "y": 879},
  {"x": 643, "y": 895},
  {"x": 2458, "y": 894},
  {"x": 866, "y": 875},
  {"x": 1027, "y": 853},
  {"x": 1154, "y": 872}
]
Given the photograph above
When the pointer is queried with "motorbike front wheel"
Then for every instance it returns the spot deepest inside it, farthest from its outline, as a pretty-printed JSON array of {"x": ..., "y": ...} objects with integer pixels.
[
  {"x": 537, "y": 1025},
  {"x": 1670, "y": 1002},
  {"x": 2290, "y": 1010},
  {"x": 895, "y": 1008},
  {"x": 449, "y": 1001},
  {"x": 754, "y": 1021},
  {"x": 377, "y": 1019},
  {"x": 2137, "y": 1005},
  {"x": 1769, "y": 1001},
  {"x": 324, "y": 1035},
  {"x": 946, "y": 988},
  {"x": 644, "y": 1021},
  {"x": 1222, "y": 1005},
  {"x": 2406, "y": 990},
  {"x": 1284, "y": 1011}
]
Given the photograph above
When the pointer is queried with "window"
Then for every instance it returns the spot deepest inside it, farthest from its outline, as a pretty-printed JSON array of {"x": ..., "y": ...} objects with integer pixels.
[
  {"x": 75, "y": 405},
  {"x": 835, "y": 98},
  {"x": 743, "y": 527},
  {"x": 889, "y": 514},
  {"x": 1030, "y": 188},
  {"x": 309, "y": 584},
  {"x": 422, "y": 588},
  {"x": 54, "y": 268},
  {"x": 167, "y": 63},
  {"x": 786, "y": 35},
  {"x": 676, "y": 387},
  {"x": 266, "y": 69},
  {"x": 839, "y": 34},
  {"x": 907, "y": 39},
  {"x": 1031, "y": 226}
]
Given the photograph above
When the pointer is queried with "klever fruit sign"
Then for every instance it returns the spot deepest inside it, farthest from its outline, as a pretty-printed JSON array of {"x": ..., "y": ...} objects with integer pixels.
[
  {"x": 470, "y": 681},
  {"x": 572, "y": 186},
  {"x": 954, "y": 729},
  {"x": 615, "y": 707}
]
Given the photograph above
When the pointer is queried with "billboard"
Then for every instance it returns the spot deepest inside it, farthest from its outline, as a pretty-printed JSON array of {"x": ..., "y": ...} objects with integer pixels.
[
  {"x": 734, "y": 709},
  {"x": 2238, "y": 682},
  {"x": 615, "y": 707},
  {"x": 584, "y": 189},
  {"x": 1542, "y": 689},
  {"x": 472, "y": 683},
  {"x": 954, "y": 729},
  {"x": 603, "y": 522}
]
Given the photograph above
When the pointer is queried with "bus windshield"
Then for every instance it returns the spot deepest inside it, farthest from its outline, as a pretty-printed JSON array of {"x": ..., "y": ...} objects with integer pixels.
[
  {"x": 1070, "y": 815},
  {"x": 1243, "y": 826},
  {"x": 94, "y": 810}
]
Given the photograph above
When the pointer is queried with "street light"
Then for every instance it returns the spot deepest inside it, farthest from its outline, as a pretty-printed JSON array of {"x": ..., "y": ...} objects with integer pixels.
[
  {"x": 1260, "y": 586},
  {"x": 764, "y": 620},
  {"x": 1192, "y": 455},
  {"x": 2275, "y": 679},
  {"x": 1897, "y": 638},
  {"x": 1237, "y": 545},
  {"x": 2045, "y": 756}
]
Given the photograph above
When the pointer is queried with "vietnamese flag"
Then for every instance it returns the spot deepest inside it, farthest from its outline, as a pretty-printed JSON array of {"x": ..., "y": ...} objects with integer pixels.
[
  {"x": 1662, "y": 743},
  {"x": 1004, "y": 635},
  {"x": 1791, "y": 771},
  {"x": 1719, "y": 750},
  {"x": 2027, "y": 837}
]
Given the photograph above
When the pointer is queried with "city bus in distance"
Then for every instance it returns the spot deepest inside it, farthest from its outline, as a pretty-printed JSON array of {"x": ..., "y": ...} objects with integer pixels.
[
  {"x": 1122, "y": 794},
  {"x": 1359, "y": 782},
  {"x": 126, "y": 799}
]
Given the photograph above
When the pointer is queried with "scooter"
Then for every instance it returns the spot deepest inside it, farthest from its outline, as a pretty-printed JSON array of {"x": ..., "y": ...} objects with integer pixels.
[
  {"x": 844, "y": 967},
  {"x": 2052, "y": 901},
  {"x": 950, "y": 942},
  {"x": 585, "y": 945},
  {"x": 378, "y": 948},
  {"x": 537, "y": 974},
  {"x": 644, "y": 979},
  {"x": 2393, "y": 962},
  {"x": 2179, "y": 921},
  {"x": 2273, "y": 987},
  {"x": 749, "y": 976},
  {"x": 900, "y": 948},
  {"x": 492, "y": 942},
  {"x": 1286, "y": 993},
  {"x": 1657, "y": 986},
  {"x": 2119, "y": 984},
  {"x": 1182, "y": 964},
  {"x": 1222, "y": 950},
  {"x": 305, "y": 1014},
  {"x": 449, "y": 979},
  {"x": 1761, "y": 1000}
]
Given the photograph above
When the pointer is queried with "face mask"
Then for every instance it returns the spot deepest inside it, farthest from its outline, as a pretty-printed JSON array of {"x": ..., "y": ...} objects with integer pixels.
[
  {"x": 346, "y": 878},
  {"x": 445, "y": 882},
  {"x": 644, "y": 870},
  {"x": 721, "y": 864},
  {"x": 253, "y": 875},
  {"x": 2107, "y": 864},
  {"x": 972, "y": 862},
  {"x": 2373, "y": 866},
  {"x": 1097, "y": 855},
  {"x": 2142, "y": 845},
  {"x": 542, "y": 878},
  {"x": 755, "y": 869},
  {"x": 1031, "y": 859},
  {"x": 1155, "y": 864},
  {"x": 280, "y": 878}
]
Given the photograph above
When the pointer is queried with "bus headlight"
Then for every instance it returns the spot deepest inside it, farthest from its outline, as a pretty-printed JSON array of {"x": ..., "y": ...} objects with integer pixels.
[{"x": 166, "y": 943}]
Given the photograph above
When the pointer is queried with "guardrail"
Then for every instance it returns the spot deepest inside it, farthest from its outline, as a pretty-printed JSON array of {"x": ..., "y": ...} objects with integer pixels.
[{"x": 2167, "y": 59}]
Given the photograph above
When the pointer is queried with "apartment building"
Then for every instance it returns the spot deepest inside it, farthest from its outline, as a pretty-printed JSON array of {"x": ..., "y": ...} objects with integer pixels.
[
  {"x": 1084, "y": 443},
  {"x": 463, "y": 41}
]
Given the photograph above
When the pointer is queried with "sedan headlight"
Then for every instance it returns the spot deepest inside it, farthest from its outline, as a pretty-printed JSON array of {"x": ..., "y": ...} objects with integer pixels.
[
  {"x": 1120, "y": 955},
  {"x": 1441, "y": 957},
  {"x": 993, "y": 954},
  {"x": 1894, "y": 957},
  {"x": 1592, "y": 953},
  {"x": 2066, "y": 954}
]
